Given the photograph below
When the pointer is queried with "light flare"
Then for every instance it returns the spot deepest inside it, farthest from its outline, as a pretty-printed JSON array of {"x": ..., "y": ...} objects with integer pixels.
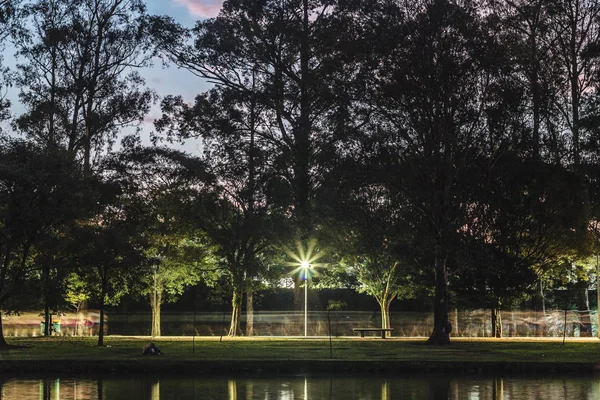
[{"x": 305, "y": 259}]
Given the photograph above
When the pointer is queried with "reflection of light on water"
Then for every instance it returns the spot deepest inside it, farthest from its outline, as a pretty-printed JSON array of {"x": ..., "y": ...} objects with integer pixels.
[
  {"x": 474, "y": 392},
  {"x": 498, "y": 389},
  {"x": 232, "y": 390},
  {"x": 286, "y": 393},
  {"x": 48, "y": 389},
  {"x": 385, "y": 391},
  {"x": 155, "y": 391},
  {"x": 363, "y": 387},
  {"x": 305, "y": 388}
]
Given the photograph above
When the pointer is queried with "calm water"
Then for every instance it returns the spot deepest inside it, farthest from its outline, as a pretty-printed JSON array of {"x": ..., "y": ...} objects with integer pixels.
[{"x": 364, "y": 387}]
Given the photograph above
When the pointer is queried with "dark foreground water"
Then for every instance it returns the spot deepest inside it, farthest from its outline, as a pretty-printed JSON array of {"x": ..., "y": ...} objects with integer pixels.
[{"x": 363, "y": 387}]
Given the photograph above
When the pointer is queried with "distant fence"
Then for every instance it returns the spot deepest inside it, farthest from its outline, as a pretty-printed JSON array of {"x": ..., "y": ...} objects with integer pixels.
[{"x": 468, "y": 323}]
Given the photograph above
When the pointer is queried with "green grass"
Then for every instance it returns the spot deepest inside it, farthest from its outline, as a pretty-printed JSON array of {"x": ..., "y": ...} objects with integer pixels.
[{"x": 281, "y": 349}]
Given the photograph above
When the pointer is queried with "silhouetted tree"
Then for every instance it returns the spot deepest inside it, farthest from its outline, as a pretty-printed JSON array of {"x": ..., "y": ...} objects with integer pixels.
[
  {"x": 248, "y": 188},
  {"x": 111, "y": 254},
  {"x": 430, "y": 90},
  {"x": 526, "y": 29},
  {"x": 42, "y": 196},
  {"x": 286, "y": 55},
  {"x": 79, "y": 80}
]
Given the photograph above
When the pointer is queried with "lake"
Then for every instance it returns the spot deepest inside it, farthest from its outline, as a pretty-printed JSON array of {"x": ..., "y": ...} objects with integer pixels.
[{"x": 300, "y": 387}]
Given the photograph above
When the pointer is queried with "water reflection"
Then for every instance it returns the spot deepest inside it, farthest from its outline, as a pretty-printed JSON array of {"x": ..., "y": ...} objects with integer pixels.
[
  {"x": 371, "y": 387},
  {"x": 155, "y": 391}
]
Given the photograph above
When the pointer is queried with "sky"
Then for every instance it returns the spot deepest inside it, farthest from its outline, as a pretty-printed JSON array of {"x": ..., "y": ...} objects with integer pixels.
[
  {"x": 172, "y": 80},
  {"x": 164, "y": 81}
]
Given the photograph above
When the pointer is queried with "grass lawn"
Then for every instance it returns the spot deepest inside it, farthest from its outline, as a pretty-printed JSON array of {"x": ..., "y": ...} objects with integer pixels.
[{"x": 118, "y": 348}]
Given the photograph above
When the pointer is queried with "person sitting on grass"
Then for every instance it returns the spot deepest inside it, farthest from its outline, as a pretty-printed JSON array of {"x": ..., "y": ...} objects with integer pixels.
[{"x": 152, "y": 350}]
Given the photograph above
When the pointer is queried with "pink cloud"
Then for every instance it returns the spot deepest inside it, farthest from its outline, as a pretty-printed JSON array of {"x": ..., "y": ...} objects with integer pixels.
[
  {"x": 202, "y": 8},
  {"x": 149, "y": 119}
]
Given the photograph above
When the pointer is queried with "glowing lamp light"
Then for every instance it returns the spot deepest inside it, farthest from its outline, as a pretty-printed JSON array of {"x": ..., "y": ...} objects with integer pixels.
[{"x": 305, "y": 265}]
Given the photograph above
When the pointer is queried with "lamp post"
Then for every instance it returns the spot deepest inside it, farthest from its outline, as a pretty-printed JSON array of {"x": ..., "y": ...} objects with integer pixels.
[
  {"x": 305, "y": 267},
  {"x": 305, "y": 262}
]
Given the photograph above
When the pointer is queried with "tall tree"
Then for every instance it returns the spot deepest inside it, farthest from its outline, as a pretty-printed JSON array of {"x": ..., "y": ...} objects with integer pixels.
[
  {"x": 372, "y": 236},
  {"x": 577, "y": 30},
  {"x": 286, "y": 60},
  {"x": 79, "y": 80},
  {"x": 522, "y": 222},
  {"x": 525, "y": 28},
  {"x": 111, "y": 255},
  {"x": 285, "y": 54},
  {"x": 247, "y": 191},
  {"x": 429, "y": 90},
  {"x": 183, "y": 255},
  {"x": 42, "y": 195},
  {"x": 8, "y": 22}
]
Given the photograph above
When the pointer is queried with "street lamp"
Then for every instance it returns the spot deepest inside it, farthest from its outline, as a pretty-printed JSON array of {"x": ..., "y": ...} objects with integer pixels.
[
  {"x": 305, "y": 265},
  {"x": 305, "y": 261}
]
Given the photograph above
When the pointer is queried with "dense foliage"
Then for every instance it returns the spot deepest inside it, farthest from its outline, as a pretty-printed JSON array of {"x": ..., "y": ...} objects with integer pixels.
[{"x": 441, "y": 146}]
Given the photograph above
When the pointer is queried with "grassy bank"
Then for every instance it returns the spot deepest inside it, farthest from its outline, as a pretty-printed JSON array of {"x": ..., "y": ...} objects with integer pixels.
[{"x": 209, "y": 354}]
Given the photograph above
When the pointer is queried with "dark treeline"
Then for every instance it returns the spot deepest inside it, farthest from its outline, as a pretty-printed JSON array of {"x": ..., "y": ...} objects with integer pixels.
[{"x": 401, "y": 148}]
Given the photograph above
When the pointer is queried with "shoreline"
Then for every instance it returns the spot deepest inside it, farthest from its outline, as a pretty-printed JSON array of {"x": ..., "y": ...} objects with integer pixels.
[{"x": 156, "y": 365}]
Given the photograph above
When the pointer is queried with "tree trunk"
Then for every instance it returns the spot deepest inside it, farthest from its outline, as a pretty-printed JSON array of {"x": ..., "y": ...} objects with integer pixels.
[
  {"x": 101, "y": 331},
  {"x": 101, "y": 328},
  {"x": 47, "y": 316},
  {"x": 384, "y": 304},
  {"x": 496, "y": 323},
  {"x": 51, "y": 135},
  {"x": 535, "y": 94},
  {"x": 512, "y": 331},
  {"x": 440, "y": 334},
  {"x": 540, "y": 312},
  {"x": 78, "y": 320},
  {"x": 598, "y": 293},
  {"x": 155, "y": 302},
  {"x": 249, "y": 311},
  {"x": 236, "y": 303},
  {"x": 92, "y": 88},
  {"x": 455, "y": 327},
  {"x": 583, "y": 306},
  {"x": 87, "y": 144},
  {"x": 574, "y": 95},
  {"x": 47, "y": 321},
  {"x": 3, "y": 343},
  {"x": 302, "y": 131}
]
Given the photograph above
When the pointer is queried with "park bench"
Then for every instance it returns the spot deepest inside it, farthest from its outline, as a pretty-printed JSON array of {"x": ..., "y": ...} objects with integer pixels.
[{"x": 382, "y": 330}]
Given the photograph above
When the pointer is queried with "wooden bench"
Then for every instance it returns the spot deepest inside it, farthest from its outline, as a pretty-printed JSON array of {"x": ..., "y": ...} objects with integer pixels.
[{"x": 382, "y": 330}]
